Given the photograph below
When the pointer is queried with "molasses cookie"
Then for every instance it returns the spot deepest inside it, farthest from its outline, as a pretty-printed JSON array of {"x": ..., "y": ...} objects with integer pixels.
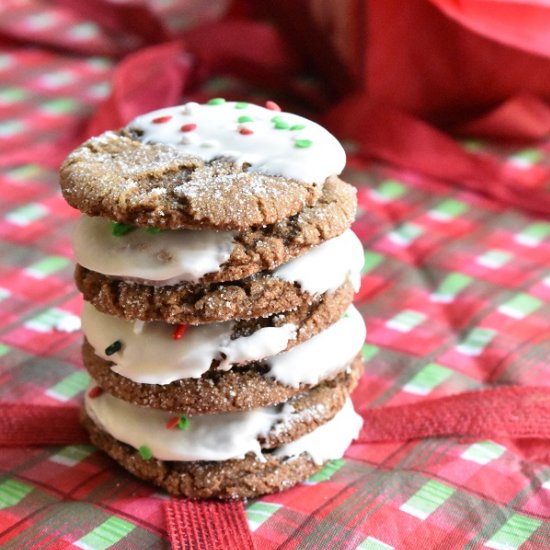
[
  {"x": 332, "y": 265},
  {"x": 221, "y": 165},
  {"x": 169, "y": 385},
  {"x": 222, "y": 456},
  {"x": 183, "y": 255}
]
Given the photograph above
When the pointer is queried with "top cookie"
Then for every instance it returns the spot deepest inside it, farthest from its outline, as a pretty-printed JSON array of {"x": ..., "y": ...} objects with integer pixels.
[{"x": 221, "y": 165}]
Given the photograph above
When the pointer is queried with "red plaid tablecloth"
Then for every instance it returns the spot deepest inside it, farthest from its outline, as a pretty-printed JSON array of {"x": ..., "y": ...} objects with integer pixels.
[{"x": 455, "y": 294}]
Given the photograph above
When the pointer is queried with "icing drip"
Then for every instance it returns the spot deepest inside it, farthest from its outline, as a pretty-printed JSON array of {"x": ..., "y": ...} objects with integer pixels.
[
  {"x": 329, "y": 441},
  {"x": 273, "y": 143},
  {"x": 150, "y": 355},
  {"x": 323, "y": 355},
  {"x": 218, "y": 436},
  {"x": 174, "y": 256},
  {"x": 326, "y": 266}
]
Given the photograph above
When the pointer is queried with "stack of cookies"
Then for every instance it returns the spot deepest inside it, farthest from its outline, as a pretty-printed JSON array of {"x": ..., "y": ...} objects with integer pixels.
[{"x": 218, "y": 269}]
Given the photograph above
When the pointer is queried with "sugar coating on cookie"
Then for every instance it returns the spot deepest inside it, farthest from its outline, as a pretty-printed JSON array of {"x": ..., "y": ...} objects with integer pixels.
[{"x": 269, "y": 142}]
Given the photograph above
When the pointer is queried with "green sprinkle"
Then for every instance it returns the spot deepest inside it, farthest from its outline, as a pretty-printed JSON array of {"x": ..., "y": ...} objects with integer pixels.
[
  {"x": 303, "y": 143},
  {"x": 241, "y": 105},
  {"x": 113, "y": 348},
  {"x": 346, "y": 315},
  {"x": 153, "y": 230},
  {"x": 145, "y": 452},
  {"x": 183, "y": 423},
  {"x": 245, "y": 118},
  {"x": 120, "y": 229},
  {"x": 282, "y": 125},
  {"x": 216, "y": 101},
  {"x": 298, "y": 127},
  {"x": 277, "y": 118}
]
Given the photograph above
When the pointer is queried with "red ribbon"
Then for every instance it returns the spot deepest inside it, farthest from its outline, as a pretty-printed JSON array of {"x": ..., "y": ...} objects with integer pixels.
[
  {"x": 24, "y": 425},
  {"x": 519, "y": 413},
  {"x": 515, "y": 412},
  {"x": 387, "y": 134},
  {"x": 207, "y": 525}
]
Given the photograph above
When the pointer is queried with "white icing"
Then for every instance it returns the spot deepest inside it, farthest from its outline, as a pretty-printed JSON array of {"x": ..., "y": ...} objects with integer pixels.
[
  {"x": 219, "y": 436},
  {"x": 209, "y": 437},
  {"x": 323, "y": 355},
  {"x": 327, "y": 266},
  {"x": 150, "y": 355},
  {"x": 329, "y": 441},
  {"x": 173, "y": 256},
  {"x": 170, "y": 257},
  {"x": 267, "y": 150}
]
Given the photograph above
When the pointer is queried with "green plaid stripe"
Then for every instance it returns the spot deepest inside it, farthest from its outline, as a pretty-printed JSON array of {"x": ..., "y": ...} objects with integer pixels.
[
  {"x": 84, "y": 31},
  {"x": 72, "y": 455},
  {"x": 483, "y": 452},
  {"x": 259, "y": 512},
  {"x": 525, "y": 158},
  {"x": 12, "y": 492},
  {"x": 476, "y": 341},
  {"x": 533, "y": 234},
  {"x": 428, "y": 378},
  {"x": 406, "y": 233},
  {"x": 448, "y": 210},
  {"x": 449, "y": 288},
  {"x": 327, "y": 472},
  {"x": 27, "y": 214},
  {"x": 48, "y": 319},
  {"x": 105, "y": 535},
  {"x": 11, "y": 95},
  {"x": 369, "y": 351},
  {"x": 372, "y": 261},
  {"x": 427, "y": 500},
  {"x": 513, "y": 533},
  {"x": 60, "y": 106},
  {"x": 494, "y": 259},
  {"x": 70, "y": 386},
  {"x": 389, "y": 190},
  {"x": 24, "y": 172},
  {"x": 520, "y": 306},
  {"x": 9, "y": 128},
  {"x": 370, "y": 543},
  {"x": 46, "y": 266},
  {"x": 406, "y": 320}
]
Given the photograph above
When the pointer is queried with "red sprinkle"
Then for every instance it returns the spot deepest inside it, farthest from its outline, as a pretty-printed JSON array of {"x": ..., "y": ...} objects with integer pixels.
[
  {"x": 161, "y": 119},
  {"x": 179, "y": 331},
  {"x": 272, "y": 105},
  {"x": 245, "y": 131},
  {"x": 96, "y": 391},
  {"x": 188, "y": 127},
  {"x": 172, "y": 423}
]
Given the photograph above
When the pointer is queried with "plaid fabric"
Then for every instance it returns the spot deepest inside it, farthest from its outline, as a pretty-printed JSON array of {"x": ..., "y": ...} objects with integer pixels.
[{"x": 455, "y": 293}]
